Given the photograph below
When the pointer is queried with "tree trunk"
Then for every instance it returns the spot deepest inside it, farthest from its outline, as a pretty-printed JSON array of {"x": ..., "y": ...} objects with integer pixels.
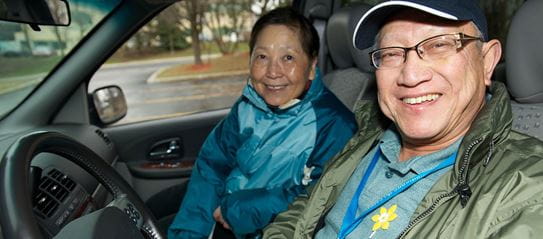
[
  {"x": 27, "y": 38},
  {"x": 196, "y": 48},
  {"x": 60, "y": 41},
  {"x": 170, "y": 43},
  {"x": 195, "y": 31}
]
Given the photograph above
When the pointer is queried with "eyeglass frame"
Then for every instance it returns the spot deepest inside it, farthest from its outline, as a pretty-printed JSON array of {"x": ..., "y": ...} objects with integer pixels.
[{"x": 460, "y": 37}]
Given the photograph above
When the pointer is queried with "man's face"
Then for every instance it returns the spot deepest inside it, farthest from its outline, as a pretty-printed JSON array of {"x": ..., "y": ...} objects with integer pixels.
[
  {"x": 431, "y": 103},
  {"x": 280, "y": 69}
]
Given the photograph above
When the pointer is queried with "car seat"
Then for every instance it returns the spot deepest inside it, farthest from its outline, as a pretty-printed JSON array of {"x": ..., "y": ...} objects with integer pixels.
[
  {"x": 524, "y": 68},
  {"x": 352, "y": 77}
]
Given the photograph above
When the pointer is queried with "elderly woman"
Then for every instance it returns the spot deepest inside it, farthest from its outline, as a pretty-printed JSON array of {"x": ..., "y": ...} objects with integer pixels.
[{"x": 276, "y": 139}]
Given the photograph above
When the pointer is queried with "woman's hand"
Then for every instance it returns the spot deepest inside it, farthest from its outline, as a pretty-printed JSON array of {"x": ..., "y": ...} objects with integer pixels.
[{"x": 218, "y": 217}]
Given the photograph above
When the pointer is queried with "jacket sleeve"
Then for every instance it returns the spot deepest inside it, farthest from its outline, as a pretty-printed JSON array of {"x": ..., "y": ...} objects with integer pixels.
[
  {"x": 523, "y": 223},
  {"x": 335, "y": 128},
  {"x": 284, "y": 225},
  {"x": 259, "y": 207},
  {"x": 206, "y": 185}
]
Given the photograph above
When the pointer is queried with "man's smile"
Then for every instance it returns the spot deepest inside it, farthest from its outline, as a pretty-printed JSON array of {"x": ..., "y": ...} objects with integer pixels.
[{"x": 420, "y": 99}]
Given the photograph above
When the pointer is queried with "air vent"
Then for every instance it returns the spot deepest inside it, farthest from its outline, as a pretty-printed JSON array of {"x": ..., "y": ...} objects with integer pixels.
[
  {"x": 103, "y": 136},
  {"x": 45, "y": 205},
  {"x": 63, "y": 179},
  {"x": 53, "y": 190}
]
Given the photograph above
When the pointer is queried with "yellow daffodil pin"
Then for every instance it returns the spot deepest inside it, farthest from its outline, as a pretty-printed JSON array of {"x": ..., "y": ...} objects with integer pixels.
[{"x": 383, "y": 219}]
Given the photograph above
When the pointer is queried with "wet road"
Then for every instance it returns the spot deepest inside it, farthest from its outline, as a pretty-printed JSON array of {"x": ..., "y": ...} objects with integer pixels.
[{"x": 148, "y": 101}]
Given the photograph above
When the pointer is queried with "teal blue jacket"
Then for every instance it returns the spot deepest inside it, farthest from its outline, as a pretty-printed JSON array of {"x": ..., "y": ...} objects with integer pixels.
[{"x": 252, "y": 164}]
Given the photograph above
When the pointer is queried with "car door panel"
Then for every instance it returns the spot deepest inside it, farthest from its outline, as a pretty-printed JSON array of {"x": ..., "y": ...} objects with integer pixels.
[{"x": 138, "y": 145}]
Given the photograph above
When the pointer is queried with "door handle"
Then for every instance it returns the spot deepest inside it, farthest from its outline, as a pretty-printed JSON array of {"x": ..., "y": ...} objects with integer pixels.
[{"x": 166, "y": 149}]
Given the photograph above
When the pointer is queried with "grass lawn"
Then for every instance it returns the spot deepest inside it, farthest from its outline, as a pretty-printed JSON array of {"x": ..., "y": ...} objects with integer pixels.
[
  {"x": 20, "y": 66},
  {"x": 8, "y": 85},
  {"x": 234, "y": 62}
]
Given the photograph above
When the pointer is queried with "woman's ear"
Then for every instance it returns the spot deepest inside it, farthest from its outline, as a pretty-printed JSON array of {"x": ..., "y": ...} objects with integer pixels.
[
  {"x": 492, "y": 52},
  {"x": 313, "y": 69}
]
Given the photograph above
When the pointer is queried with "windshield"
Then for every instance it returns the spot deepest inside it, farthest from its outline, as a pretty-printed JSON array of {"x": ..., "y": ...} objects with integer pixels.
[{"x": 27, "y": 56}]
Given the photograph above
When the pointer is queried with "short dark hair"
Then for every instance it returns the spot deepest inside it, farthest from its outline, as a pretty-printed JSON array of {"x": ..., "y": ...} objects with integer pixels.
[{"x": 287, "y": 16}]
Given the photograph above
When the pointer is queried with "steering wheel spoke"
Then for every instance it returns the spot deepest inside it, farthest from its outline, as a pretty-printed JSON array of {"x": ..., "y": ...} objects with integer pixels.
[
  {"x": 123, "y": 204},
  {"x": 16, "y": 214}
]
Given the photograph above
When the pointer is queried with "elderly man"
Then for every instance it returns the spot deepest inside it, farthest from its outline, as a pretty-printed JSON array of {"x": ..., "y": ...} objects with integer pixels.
[{"x": 448, "y": 164}]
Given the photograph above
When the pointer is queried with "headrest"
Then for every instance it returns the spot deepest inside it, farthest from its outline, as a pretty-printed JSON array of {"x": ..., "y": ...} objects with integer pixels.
[
  {"x": 339, "y": 32},
  {"x": 318, "y": 11},
  {"x": 524, "y": 55}
]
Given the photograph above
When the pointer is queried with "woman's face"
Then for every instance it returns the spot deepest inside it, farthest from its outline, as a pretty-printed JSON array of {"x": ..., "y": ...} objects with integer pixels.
[{"x": 280, "y": 69}]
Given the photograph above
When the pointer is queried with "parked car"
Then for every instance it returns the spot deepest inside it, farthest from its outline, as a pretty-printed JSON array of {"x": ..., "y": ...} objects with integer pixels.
[{"x": 71, "y": 167}]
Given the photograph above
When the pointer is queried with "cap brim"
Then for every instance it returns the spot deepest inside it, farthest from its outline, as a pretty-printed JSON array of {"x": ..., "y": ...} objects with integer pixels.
[{"x": 369, "y": 25}]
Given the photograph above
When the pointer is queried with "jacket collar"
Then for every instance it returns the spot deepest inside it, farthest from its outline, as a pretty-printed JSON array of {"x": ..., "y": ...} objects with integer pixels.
[
  {"x": 369, "y": 117},
  {"x": 490, "y": 128},
  {"x": 316, "y": 89}
]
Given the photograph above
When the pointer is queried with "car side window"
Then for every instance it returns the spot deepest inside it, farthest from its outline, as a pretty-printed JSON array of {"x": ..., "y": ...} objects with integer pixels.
[
  {"x": 28, "y": 55},
  {"x": 192, "y": 57}
]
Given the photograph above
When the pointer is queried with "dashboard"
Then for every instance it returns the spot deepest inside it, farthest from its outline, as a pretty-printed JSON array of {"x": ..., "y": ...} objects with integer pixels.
[{"x": 61, "y": 190}]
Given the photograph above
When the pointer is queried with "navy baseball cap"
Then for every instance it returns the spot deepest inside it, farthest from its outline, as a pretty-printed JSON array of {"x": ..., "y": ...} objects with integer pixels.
[{"x": 457, "y": 10}]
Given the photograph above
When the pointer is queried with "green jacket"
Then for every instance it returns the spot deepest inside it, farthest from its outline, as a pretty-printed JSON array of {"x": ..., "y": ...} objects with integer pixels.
[{"x": 495, "y": 189}]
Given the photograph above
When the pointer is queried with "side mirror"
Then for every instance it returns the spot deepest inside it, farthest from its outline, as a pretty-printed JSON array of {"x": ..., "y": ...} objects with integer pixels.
[
  {"x": 110, "y": 103},
  {"x": 36, "y": 12}
]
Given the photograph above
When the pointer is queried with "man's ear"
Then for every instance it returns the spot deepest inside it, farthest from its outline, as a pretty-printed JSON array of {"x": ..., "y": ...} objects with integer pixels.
[
  {"x": 313, "y": 70},
  {"x": 492, "y": 52}
]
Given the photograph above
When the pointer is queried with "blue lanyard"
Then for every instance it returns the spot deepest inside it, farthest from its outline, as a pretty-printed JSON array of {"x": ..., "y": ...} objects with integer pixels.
[{"x": 350, "y": 221}]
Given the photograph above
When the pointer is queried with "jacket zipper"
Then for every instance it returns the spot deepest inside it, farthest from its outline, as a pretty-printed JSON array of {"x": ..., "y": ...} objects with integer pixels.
[
  {"x": 463, "y": 179},
  {"x": 426, "y": 213},
  {"x": 463, "y": 185},
  {"x": 462, "y": 188}
]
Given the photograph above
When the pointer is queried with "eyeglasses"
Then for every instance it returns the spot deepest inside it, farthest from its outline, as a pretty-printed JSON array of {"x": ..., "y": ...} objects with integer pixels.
[{"x": 431, "y": 49}]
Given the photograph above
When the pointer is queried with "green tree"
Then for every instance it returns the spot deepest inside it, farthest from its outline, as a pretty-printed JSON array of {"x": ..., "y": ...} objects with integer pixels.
[
  {"x": 171, "y": 36},
  {"x": 142, "y": 39},
  {"x": 195, "y": 11},
  {"x": 185, "y": 19},
  {"x": 82, "y": 19},
  {"x": 226, "y": 19}
]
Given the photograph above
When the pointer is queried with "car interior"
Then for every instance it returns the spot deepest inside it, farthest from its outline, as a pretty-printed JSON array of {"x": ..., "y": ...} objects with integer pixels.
[
  {"x": 523, "y": 69},
  {"x": 352, "y": 75},
  {"x": 67, "y": 174}
]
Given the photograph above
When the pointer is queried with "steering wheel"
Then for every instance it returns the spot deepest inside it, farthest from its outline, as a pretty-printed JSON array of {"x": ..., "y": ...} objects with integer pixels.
[{"x": 16, "y": 215}]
